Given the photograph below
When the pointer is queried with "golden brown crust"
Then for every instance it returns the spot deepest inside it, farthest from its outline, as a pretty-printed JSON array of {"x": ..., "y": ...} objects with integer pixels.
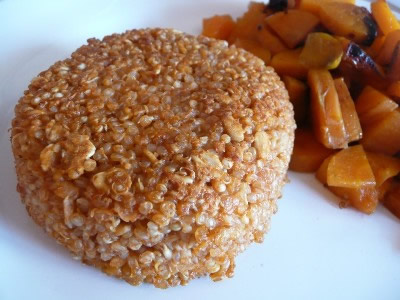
[{"x": 154, "y": 155}]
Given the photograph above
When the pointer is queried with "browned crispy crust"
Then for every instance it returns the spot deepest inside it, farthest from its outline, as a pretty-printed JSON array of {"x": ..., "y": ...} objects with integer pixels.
[{"x": 154, "y": 155}]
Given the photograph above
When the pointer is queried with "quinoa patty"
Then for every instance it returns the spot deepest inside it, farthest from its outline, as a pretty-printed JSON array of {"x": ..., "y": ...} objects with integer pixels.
[{"x": 154, "y": 155}]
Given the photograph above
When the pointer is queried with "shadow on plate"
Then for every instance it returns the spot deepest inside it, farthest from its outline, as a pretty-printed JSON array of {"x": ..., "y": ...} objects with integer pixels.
[
  {"x": 312, "y": 183},
  {"x": 334, "y": 200}
]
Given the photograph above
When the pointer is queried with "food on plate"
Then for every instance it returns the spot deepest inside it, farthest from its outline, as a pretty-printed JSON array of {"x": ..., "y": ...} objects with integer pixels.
[
  {"x": 326, "y": 113},
  {"x": 376, "y": 46},
  {"x": 154, "y": 155},
  {"x": 314, "y": 6},
  {"x": 350, "y": 21},
  {"x": 373, "y": 105},
  {"x": 384, "y": 135},
  {"x": 393, "y": 91},
  {"x": 383, "y": 166},
  {"x": 392, "y": 200},
  {"x": 278, "y": 5},
  {"x": 394, "y": 65},
  {"x": 364, "y": 198},
  {"x": 255, "y": 48},
  {"x": 284, "y": 23},
  {"x": 350, "y": 168},
  {"x": 392, "y": 39},
  {"x": 218, "y": 27},
  {"x": 340, "y": 63},
  {"x": 288, "y": 63},
  {"x": 356, "y": 187},
  {"x": 384, "y": 16},
  {"x": 359, "y": 69},
  {"x": 298, "y": 95},
  {"x": 248, "y": 25},
  {"x": 321, "y": 51},
  {"x": 349, "y": 114},
  {"x": 308, "y": 153}
]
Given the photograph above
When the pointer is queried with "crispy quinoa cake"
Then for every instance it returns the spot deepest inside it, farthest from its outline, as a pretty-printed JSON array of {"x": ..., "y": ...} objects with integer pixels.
[{"x": 154, "y": 155}]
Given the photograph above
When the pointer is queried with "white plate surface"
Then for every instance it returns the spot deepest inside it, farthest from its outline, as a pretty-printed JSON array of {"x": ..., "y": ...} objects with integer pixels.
[{"x": 314, "y": 249}]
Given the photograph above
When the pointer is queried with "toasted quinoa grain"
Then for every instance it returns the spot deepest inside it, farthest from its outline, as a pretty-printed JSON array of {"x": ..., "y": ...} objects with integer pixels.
[{"x": 154, "y": 155}]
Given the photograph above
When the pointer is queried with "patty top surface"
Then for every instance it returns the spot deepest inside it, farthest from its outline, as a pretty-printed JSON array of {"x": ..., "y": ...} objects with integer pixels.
[{"x": 151, "y": 143}]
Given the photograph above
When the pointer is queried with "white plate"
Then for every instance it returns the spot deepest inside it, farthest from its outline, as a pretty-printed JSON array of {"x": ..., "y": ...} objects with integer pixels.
[{"x": 314, "y": 249}]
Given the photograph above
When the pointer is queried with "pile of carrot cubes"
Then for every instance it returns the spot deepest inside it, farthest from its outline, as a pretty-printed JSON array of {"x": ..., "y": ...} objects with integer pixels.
[{"x": 341, "y": 66}]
